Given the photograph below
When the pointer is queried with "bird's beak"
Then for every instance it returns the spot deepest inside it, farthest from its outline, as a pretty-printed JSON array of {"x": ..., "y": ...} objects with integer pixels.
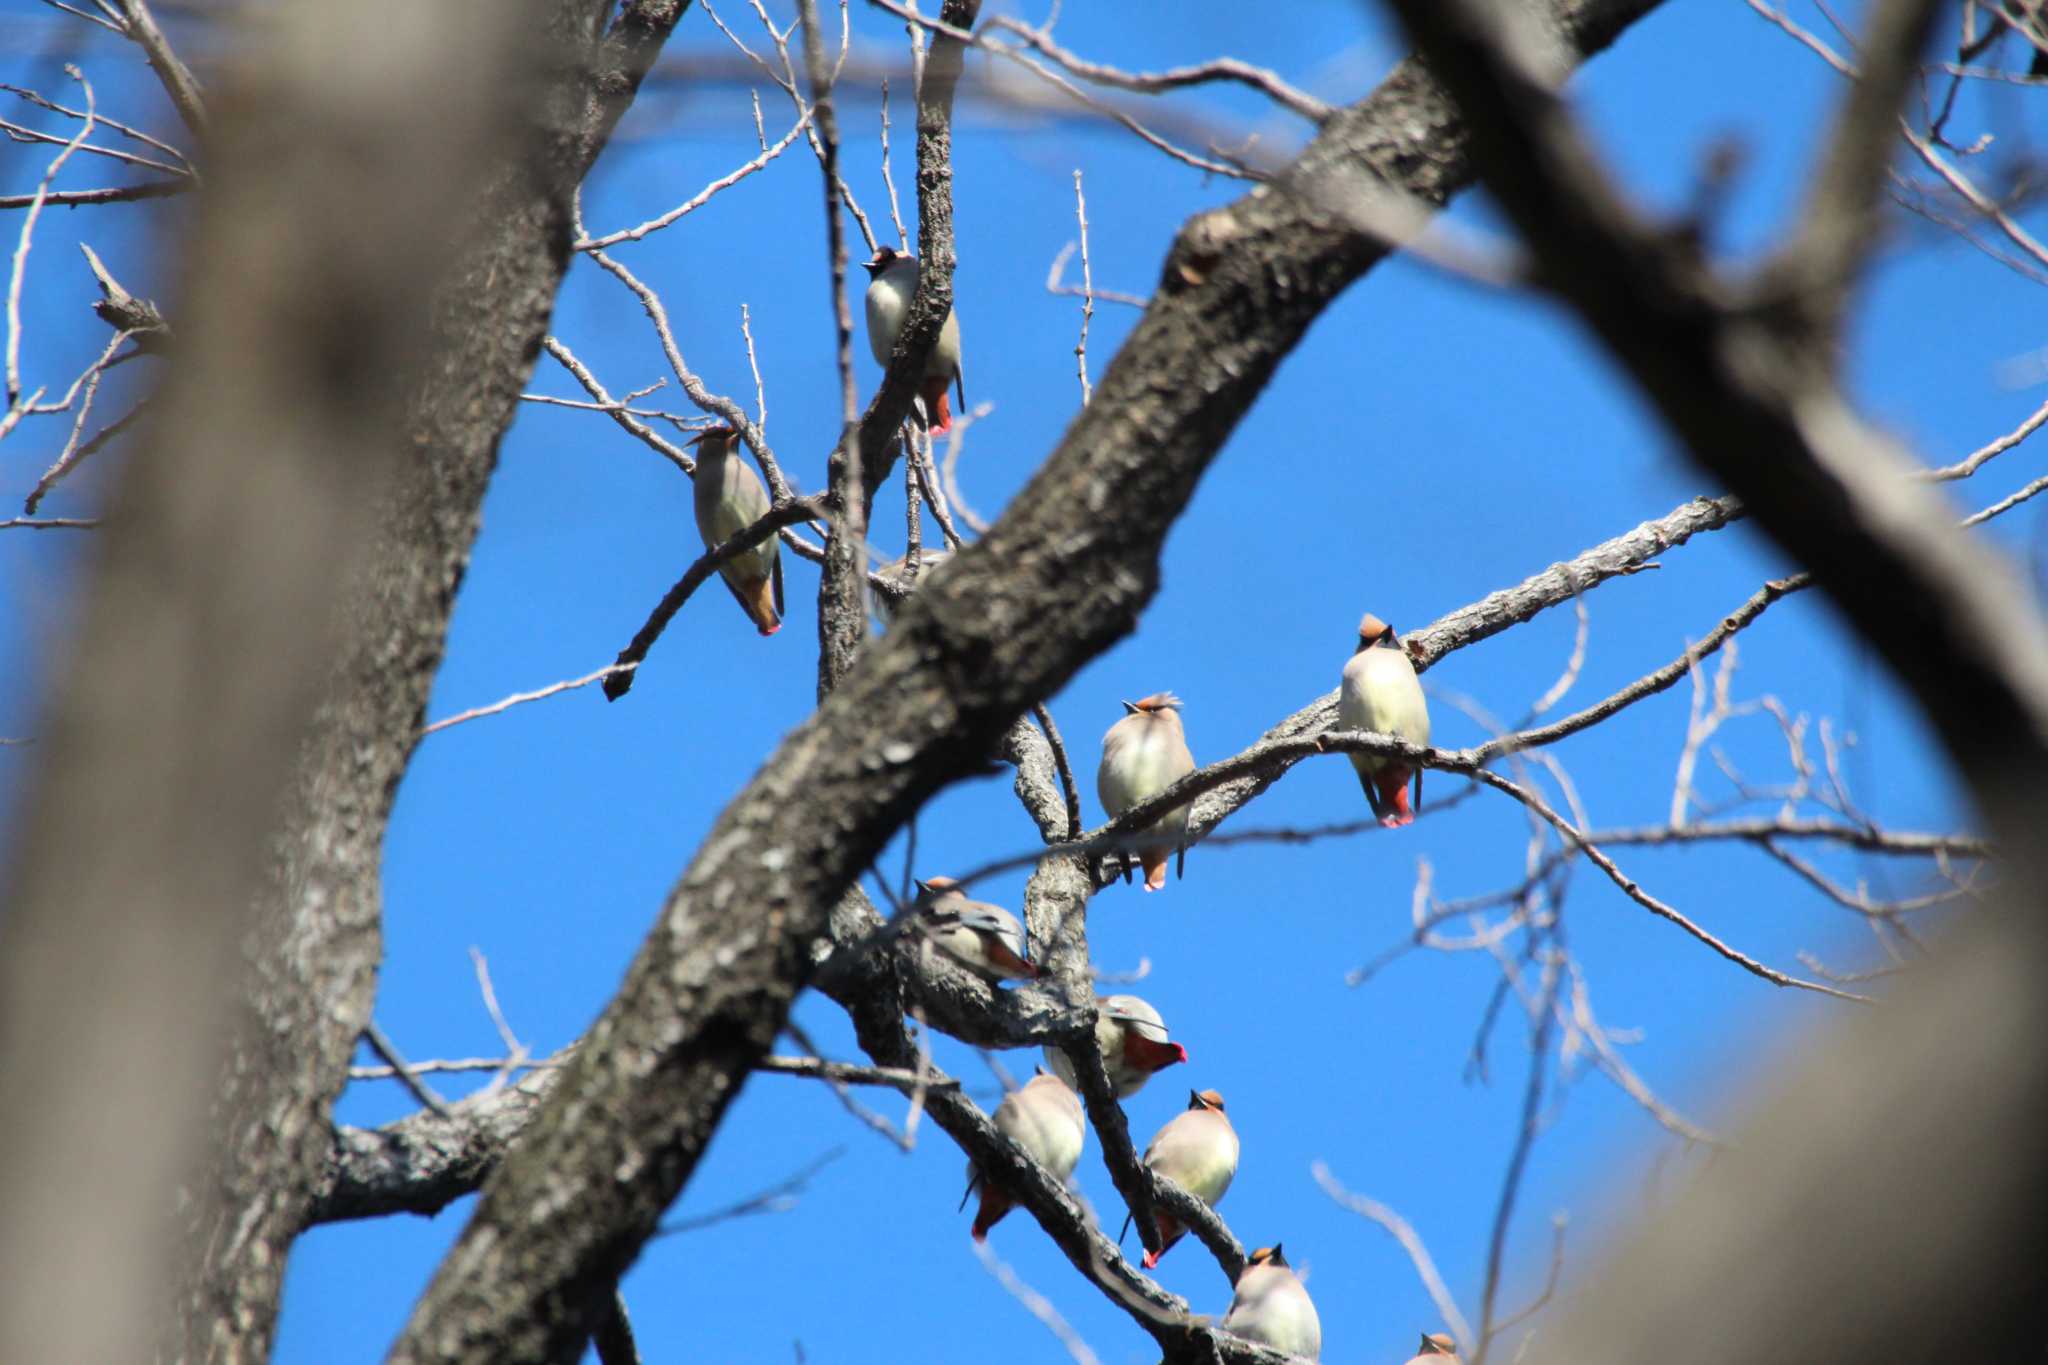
[{"x": 1130, "y": 708}]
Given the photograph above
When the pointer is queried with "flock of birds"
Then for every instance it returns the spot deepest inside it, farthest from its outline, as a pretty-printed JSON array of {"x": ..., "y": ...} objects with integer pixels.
[{"x": 1143, "y": 754}]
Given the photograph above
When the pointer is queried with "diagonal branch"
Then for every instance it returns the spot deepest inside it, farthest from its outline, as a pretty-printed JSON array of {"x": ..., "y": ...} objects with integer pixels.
[
  {"x": 1755, "y": 402},
  {"x": 1055, "y": 582},
  {"x": 179, "y": 83}
]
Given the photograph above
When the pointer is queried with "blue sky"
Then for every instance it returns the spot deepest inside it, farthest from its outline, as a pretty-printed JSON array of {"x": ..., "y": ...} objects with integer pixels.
[{"x": 1429, "y": 442}]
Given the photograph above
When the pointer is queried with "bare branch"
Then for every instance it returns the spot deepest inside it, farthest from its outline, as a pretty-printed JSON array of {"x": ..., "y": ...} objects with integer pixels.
[
  {"x": 620, "y": 676},
  {"x": 179, "y": 84},
  {"x": 699, "y": 199},
  {"x": 1411, "y": 1242},
  {"x": 28, "y": 227},
  {"x": 538, "y": 694},
  {"x": 1228, "y": 69},
  {"x": 115, "y": 194}
]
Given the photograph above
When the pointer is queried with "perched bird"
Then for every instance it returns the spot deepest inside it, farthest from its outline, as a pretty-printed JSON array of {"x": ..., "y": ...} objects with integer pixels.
[
  {"x": 1196, "y": 1150},
  {"x": 1134, "y": 1044},
  {"x": 1381, "y": 694},
  {"x": 730, "y": 498},
  {"x": 1272, "y": 1308},
  {"x": 1044, "y": 1118},
  {"x": 1438, "y": 1348},
  {"x": 1142, "y": 755},
  {"x": 985, "y": 939},
  {"x": 894, "y": 275},
  {"x": 897, "y": 573}
]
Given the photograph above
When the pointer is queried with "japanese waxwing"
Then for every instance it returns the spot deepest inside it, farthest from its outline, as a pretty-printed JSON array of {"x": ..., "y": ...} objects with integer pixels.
[
  {"x": 985, "y": 939},
  {"x": 730, "y": 498},
  {"x": 1272, "y": 1308},
  {"x": 1381, "y": 694},
  {"x": 1043, "y": 1117},
  {"x": 894, "y": 275},
  {"x": 1438, "y": 1348},
  {"x": 1196, "y": 1150},
  {"x": 1134, "y": 1044},
  {"x": 897, "y": 573},
  {"x": 1142, "y": 755}
]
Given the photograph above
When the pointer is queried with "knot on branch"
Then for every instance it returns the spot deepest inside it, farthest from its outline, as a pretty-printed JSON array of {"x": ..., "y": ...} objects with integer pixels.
[{"x": 123, "y": 311}]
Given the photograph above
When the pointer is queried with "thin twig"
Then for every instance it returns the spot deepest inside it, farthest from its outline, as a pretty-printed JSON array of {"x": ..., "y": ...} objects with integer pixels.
[
  {"x": 112, "y": 194},
  {"x": 1068, "y": 788},
  {"x": 1036, "y": 1304},
  {"x": 888, "y": 179},
  {"x": 1411, "y": 1242},
  {"x": 777, "y": 1198},
  {"x": 405, "y": 1074},
  {"x": 618, "y": 412},
  {"x": 699, "y": 199},
  {"x": 1542, "y": 1015},
  {"x": 538, "y": 694},
  {"x": 28, "y": 227},
  {"x": 1087, "y": 290}
]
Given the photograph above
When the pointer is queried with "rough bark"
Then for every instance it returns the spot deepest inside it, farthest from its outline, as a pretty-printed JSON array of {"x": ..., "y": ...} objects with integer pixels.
[
  {"x": 205, "y": 639},
  {"x": 1059, "y": 578},
  {"x": 312, "y": 951}
]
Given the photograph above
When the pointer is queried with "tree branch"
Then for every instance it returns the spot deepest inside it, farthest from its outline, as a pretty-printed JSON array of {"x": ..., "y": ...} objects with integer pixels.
[
  {"x": 177, "y": 78},
  {"x": 1010, "y": 620},
  {"x": 315, "y": 942},
  {"x": 1754, "y": 400}
]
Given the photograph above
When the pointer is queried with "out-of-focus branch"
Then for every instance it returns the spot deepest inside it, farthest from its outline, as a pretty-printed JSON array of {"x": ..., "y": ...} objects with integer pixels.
[
  {"x": 1839, "y": 225},
  {"x": 315, "y": 943},
  {"x": 1753, "y": 398},
  {"x": 1228, "y": 69},
  {"x": 1826, "y": 1187},
  {"x": 203, "y": 645}
]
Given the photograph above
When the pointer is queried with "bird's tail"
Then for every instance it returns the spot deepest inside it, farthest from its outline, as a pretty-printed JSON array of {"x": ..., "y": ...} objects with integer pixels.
[
  {"x": 1392, "y": 807},
  {"x": 937, "y": 409},
  {"x": 1155, "y": 862}
]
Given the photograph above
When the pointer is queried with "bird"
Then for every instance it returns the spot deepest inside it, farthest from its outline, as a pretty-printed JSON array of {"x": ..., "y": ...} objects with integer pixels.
[
  {"x": 729, "y": 498},
  {"x": 1380, "y": 693},
  {"x": 897, "y": 573},
  {"x": 1142, "y": 755},
  {"x": 1196, "y": 1150},
  {"x": 1272, "y": 1308},
  {"x": 1437, "y": 1348},
  {"x": 1134, "y": 1044},
  {"x": 894, "y": 281},
  {"x": 1043, "y": 1117},
  {"x": 985, "y": 939}
]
